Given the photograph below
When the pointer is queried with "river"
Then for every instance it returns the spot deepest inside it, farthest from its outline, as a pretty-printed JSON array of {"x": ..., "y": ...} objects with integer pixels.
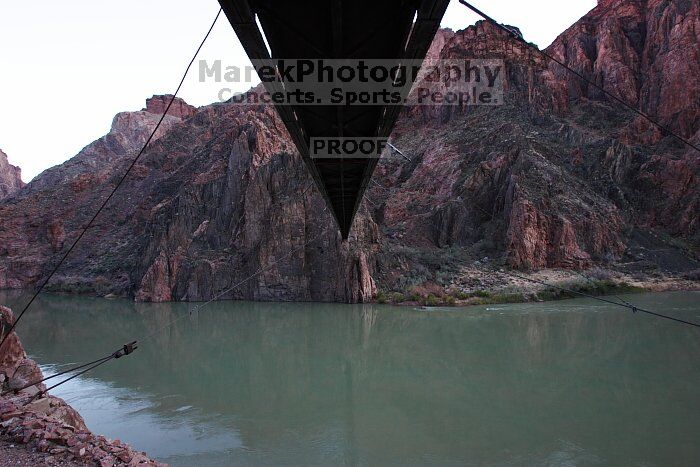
[{"x": 573, "y": 382}]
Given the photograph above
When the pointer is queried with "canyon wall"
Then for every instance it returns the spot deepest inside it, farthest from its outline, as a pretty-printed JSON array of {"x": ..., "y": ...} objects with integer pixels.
[
  {"x": 557, "y": 177},
  {"x": 10, "y": 177}
]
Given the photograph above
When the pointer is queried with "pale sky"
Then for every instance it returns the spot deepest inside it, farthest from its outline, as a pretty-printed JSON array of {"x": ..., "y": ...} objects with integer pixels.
[{"x": 67, "y": 67}]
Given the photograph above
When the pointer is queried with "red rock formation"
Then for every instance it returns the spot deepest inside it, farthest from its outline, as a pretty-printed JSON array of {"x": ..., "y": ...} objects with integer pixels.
[
  {"x": 557, "y": 177},
  {"x": 10, "y": 177},
  {"x": 155, "y": 285},
  {"x": 12, "y": 353},
  {"x": 441, "y": 38},
  {"x": 643, "y": 51},
  {"x": 179, "y": 108}
]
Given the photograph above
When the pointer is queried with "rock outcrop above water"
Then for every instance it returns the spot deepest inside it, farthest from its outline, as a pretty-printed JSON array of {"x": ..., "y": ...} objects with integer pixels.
[
  {"x": 47, "y": 424},
  {"x": 558, "y": 177},
  {"x": 10, "y": 177}
]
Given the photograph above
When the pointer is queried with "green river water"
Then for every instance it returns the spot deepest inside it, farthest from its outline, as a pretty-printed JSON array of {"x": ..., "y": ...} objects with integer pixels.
[{"x": 573, "y": 382}]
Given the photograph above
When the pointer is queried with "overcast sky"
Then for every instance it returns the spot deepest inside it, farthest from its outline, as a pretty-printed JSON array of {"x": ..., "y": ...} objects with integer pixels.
[{"x": 67, "y": 67}]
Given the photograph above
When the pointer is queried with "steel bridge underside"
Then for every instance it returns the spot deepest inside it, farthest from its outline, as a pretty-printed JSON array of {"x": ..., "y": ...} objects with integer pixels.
[{"x": 336, "y": 29}]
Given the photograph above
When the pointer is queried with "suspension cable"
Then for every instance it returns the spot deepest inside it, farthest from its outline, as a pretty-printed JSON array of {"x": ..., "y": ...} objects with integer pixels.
[
  {"x": 234, "y": 286},
  {"x": 126, "y": 349},
  {"x": 592, "y": 282},
  {"x": 121, "y": 181},
  {"x": 624, "y": 304},
  {"x": 70, "y": 370},
  {"x": 621, "y": 302},
  {"x": 129, "y": 348},
  {"x": 513, "y": 34}
]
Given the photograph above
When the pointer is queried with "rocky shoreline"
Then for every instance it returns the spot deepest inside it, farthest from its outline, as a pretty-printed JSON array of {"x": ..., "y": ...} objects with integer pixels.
[
  {"x": 46, "y": 430},
  {"x": 474, "y": 286}
]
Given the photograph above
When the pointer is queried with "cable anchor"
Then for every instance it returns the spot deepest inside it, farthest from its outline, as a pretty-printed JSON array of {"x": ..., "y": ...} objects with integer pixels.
[{"x": 126, "y": 350}]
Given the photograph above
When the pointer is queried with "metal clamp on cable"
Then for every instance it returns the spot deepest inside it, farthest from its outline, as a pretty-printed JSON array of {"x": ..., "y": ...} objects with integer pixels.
[{"x": 126, "y": 350}]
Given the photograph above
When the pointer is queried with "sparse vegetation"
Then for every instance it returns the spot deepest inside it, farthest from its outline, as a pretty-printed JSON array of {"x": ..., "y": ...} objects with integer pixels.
[
  {"x": 693, "y": 275},
  {"x": 432, "y": 295}
]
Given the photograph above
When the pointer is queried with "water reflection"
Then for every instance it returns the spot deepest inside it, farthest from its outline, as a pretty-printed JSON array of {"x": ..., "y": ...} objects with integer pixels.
[{"x": 256, "y": 383}]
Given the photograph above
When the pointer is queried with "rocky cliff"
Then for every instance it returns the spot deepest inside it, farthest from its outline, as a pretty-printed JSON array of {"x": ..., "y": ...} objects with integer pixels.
[
  {"x": 646, "y": 52},
  {"x": 53, "y": 431},
  {"x": 557, "y": 177},
  {"x": 219, "y": 195},
  {"x": 10, "y": 177}
]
